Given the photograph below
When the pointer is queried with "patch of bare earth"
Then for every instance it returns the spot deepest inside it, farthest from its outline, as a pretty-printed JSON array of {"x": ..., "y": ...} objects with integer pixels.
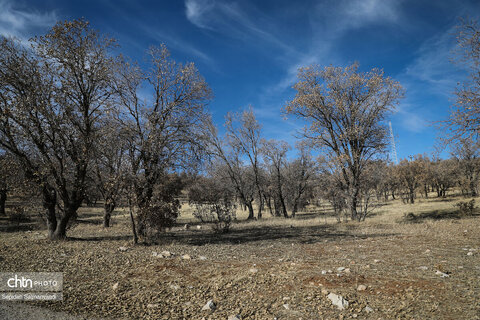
[{"x": 263, "y": 270}]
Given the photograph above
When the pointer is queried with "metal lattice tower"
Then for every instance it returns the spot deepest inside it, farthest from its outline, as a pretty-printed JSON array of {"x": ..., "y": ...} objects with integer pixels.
[{"x": 392, "y": 141}]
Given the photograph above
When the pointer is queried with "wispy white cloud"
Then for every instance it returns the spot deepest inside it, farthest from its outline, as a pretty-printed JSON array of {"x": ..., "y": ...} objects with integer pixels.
[
  {"x": 231, "y": 19},
  {"x": 22, "y": 23},
  {"x": 432, "y": 64}
]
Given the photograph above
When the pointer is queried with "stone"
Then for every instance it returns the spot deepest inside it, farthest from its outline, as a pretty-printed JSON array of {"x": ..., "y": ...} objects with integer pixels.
[
  {"x": 199, "y": 227},
  {"x": 174, "y": 287},
  {"x": 209, "y": 306},
  {"x": 424, "y": 268},
  {"x": 286, "y": 306},
  {"x": 442, "y": 274},
  {"x": 122, "y": 249},
  {"x": 115, "y": 286},
  {"x": 202, "y": 258},
  {"x": 376, "y": 260},
  {"x": 186, "y": 257},
  {"x": 470, "y": 253},
  {"x": 362, "y": 287},
  {"x": 324, "y": 271},
  {"x": 154, "y": 254},
  {"x": 368, "y": 309},
  {"x": 338, "y": 301},
  {"x": 354, "y": 315},
  {"x": 340, "y": 269},
  {"x": 347, "y": 270},
  {"x": 166, "y": 254}
]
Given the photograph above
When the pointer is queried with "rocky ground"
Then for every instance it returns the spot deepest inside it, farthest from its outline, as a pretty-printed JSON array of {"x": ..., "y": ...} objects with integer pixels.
[{"x": 302, "y": 269}]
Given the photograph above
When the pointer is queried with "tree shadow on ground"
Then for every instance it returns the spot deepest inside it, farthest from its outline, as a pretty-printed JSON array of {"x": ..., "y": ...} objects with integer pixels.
[
  {"x": 293, "y": 234},
  {"x": 436, "y": 215}
]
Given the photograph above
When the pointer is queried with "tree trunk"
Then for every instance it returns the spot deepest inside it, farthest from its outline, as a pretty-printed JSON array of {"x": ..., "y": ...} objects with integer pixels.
[
  {"x": 412, "y": 196},
  {"x": 250, "y": 211},
  {"x": 3, "y": 200},
  {"x": 49, "y": 202},
  {"x": 260, "y": 205},
  {"x": 108, "y": 209},
  {"x": 134, "y": 229},
  {"x": 353, "y": 203},
  {"x": 294, "y": 210},
  {"x": 473, "y": 189}
]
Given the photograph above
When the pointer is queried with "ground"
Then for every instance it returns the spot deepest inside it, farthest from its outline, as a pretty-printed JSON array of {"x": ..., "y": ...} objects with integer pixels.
[{"x": 271, "y": 269}]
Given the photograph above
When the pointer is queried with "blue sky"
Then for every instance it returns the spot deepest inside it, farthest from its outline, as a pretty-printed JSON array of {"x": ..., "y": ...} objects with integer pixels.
[{"x": 249, "y": 51}]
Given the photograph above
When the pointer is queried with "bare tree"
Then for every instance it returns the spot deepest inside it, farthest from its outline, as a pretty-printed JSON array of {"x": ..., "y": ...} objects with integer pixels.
[
  {"x": 467, "y": 153},
  {"x": 51, "y": 99},
  {"x": 346, "y": 110},
  {"x": 300, "y": 173},
  {"x": 240, "y": 175},
  {"x": 109, "y": 167},
  {"x": 409, "y": 173},
  {"x": 275, "y": 153},
  {"x": 164, "y": 129},
  {"x": 464, "y": 117},
  {"x": 243, "y": 133}
]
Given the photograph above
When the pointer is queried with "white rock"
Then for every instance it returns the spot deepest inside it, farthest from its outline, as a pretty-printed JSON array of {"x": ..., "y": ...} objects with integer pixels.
[
  {"x": 174, "y": 287},
  {"x": 423, "y": 268},
  {"x": 347, "y": 270},
  {"x": 368, "y": 309},
  {"x": 470, "y": 253},
  {"x": 338, "y": 301},
  {"x": 427, "y": 251},
  {"x": 442, "y": 274},
  {"x": 324, "y": 271},
  {"x": 354, "y": 315},
  {"x": 376, "y": 260},
  {"x": 199, "y": 227},
  {"x": 186, "y": 257},
  {"x": 166, "y": 254},
  {"x": 235, "y": 317},
  {"x": 202, "y": 258},
  {"x": 286, "y": 306},
  {"x": 340, "y": 269},
  {"x": 329, "y": 271},
  {"x": 122, "y": 249},
  {"x": 154, "y": 254},
  {"x": 115, "y": 286},
  {"x": 210, "y": 305},
  {"x": 362, "y": 287}
]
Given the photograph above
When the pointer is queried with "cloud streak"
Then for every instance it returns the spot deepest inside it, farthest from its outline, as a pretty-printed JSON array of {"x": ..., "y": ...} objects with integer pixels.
[{"x": 22, "y": 23}]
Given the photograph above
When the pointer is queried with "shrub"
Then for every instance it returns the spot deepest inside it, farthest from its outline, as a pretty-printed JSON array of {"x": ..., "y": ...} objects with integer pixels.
[{"x": 466, "y": 208}]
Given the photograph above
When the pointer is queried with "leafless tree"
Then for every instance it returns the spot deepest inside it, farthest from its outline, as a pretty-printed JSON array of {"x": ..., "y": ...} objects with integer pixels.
[
  {"x": 467, "y": 153},
  {"x": 165, "y": 128},
  {"x": 346, "y": 110},
  {"x": 300, "y": 174},
  {"x": 52, "y": 96},
  {"x": 275, "y": 153},
  {"x": 464, "y": 119},
  {"x": 241, "y": 176},
  {"x": 243, "y": 133}
]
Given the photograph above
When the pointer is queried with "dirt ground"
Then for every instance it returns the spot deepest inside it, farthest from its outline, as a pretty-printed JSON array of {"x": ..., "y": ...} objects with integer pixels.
[{"x": 428, "y": 268}]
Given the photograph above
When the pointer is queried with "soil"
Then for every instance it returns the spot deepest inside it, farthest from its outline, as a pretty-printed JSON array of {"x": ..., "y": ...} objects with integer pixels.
[{"x": 261, "y": 270}]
